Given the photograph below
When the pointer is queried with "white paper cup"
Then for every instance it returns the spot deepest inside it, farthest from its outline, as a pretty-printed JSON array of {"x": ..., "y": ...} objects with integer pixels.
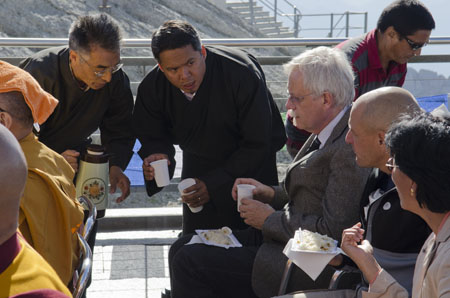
[
  {"x": 188, "y": 182},
  {"x": 244, "y": 191},
  {"x": 161, "y": 172}
]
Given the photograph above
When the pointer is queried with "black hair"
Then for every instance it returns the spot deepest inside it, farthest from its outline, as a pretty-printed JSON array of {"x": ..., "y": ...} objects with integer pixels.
[
  {"x": 17, "y": 107},
  {"x": 91, "y": 30},
  {"x": 406, "y": 16},
  {"x": 174, "y": 34},
  {"x": 421, "y": 148}
]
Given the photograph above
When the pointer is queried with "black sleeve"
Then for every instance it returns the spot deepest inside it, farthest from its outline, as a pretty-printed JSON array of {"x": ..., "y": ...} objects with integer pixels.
[
  {"x": 151, "y": 129},
  {"x": 115, "y": 128}
]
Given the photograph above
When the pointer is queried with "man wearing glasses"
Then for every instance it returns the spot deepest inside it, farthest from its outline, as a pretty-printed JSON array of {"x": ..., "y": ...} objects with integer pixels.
[
  {"x": 93, "y": 92},
  {"x": 395, "y": 234},
  {"x": 379, "y": 57}
]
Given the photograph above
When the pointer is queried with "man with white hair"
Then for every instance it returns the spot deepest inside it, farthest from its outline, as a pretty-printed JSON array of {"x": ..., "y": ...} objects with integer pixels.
[{"x": 320, "y": 193}]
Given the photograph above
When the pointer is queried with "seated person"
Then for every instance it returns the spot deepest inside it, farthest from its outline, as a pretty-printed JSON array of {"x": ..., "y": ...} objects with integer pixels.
[
  {"x": 320, "y": 193},
  {"x": 420, "y": 166},
  {"x": 49, "y": 212},
  {"x": 23, "y": 272},
  {"x": 396, "y": 234}
]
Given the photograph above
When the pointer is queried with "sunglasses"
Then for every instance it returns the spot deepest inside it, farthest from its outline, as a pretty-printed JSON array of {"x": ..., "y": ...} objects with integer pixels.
[
  {"x": 414, "y": 45},
  {"x": 391, "y": 164}
]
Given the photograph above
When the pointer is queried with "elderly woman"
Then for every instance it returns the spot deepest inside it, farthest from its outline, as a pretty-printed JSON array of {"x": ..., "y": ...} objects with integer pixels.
[{"x": 420, "y": 165}]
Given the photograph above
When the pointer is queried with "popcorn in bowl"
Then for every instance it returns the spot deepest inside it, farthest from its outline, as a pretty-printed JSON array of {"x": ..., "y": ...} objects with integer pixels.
[{"x": 305, "y": 240}]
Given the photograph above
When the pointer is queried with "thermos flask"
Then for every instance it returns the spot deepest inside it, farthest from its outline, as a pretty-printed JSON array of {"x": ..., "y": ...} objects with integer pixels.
[{"x": 93, "y": 177}]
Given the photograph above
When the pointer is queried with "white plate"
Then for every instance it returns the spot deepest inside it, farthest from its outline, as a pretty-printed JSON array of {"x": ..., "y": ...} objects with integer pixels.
[
  {"x": 335, "y": 249},
  {"x": 227, "y": 232}
]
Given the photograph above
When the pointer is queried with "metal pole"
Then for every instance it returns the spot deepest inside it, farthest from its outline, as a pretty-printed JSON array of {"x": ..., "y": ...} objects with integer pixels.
[
  {"x": 295, "y": 22},
  {"x": 365, "y": 22},
  {"x": 331, "y": 25},
  {"x": 252, "y": 17},
  {"x": 346, "y": 23},
  {"x": 275, "y": 9}
]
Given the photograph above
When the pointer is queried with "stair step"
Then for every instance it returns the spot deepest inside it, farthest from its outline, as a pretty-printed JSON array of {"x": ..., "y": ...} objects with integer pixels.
[
  {"x": 240, "y": 4},
  {"x": 266, "y": 19},
  {"x": 245, "y": 8},
  {"x": 256, "y": 14},
  {"x": 281, "y": 34},
  {"x": 261, "y": 25},
  {"x": 274, "y": 30}
]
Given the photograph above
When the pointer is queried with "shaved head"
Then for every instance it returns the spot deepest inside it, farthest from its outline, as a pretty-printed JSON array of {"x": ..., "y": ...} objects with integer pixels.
[
  {"x": 13, "y": 174},
  {"x": 370, "y": 118},
  {"x": 382, "y": 106}
]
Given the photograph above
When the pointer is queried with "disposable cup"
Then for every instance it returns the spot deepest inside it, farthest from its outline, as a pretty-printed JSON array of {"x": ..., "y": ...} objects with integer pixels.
[
  {"x": 244, "y": 191},
  {"x": 161, "y": 172},
  {"x": 188, "y": 182}
]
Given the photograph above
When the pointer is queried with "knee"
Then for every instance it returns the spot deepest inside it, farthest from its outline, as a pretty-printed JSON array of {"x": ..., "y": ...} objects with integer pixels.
[{"x": 177, "y": 246}]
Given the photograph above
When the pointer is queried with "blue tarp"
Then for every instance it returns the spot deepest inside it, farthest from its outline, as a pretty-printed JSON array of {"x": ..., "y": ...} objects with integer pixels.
[
  {"x": 429, "y": 103},
  {"x": 134, "y": 169}
]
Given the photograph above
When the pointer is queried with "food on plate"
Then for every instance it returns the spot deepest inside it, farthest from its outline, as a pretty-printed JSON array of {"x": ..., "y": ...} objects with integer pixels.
[
  {"x": 312, "y": 241},
  {"x": 220, "y": 236}
]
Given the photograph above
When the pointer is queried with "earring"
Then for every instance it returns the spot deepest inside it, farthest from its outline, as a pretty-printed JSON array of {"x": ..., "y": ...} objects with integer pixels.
[{"x": 412, "y": 191}]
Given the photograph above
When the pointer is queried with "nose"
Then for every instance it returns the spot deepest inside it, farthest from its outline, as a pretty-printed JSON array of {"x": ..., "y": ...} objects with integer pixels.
[
  {"x": 289, "y": 104},
  {"x": 417, "y": 52},
  {"x": 184, "y": 73},
  {"x": 107, "y": 76}
]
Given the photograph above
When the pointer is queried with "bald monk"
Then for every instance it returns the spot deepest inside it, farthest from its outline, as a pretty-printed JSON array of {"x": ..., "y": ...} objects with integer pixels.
[
  {"x": 49, "y": 213},
  {"x": 396, "y": 235},
  {"x": 23, "y": 272}
]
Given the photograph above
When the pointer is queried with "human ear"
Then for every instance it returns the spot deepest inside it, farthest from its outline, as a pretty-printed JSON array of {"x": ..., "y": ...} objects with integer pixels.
[{"x": 6, "y": 120}]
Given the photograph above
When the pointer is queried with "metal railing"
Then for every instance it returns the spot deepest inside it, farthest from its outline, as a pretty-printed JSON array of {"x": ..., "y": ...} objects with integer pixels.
[
  {"x": 232, "y": 42},
  {"x": 296, "y": 15},
  {"x": 333, "y": 25}
]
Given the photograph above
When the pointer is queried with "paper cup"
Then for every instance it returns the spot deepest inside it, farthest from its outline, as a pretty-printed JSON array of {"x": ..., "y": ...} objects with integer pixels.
[
  {"x": 185, "y": 184},
  {"x": 161, "y": 172},
  {"x": 244, "y": 191}
]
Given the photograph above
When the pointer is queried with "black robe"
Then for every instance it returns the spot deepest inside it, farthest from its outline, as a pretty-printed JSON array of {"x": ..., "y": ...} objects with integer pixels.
[
  {"x": 80, "y": 113},
  {"x": 231, "y": 128}
]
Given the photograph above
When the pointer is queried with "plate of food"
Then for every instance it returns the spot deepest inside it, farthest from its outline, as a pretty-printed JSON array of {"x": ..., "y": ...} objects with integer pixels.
[
  {"x": 220, "y": 237},
  {"x": 312, "y": 242},
  {"x": 311, "y": 251}
]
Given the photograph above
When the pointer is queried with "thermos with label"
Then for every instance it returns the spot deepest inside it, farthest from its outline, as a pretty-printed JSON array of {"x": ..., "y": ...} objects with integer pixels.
[{"x": 93, "y": 177}]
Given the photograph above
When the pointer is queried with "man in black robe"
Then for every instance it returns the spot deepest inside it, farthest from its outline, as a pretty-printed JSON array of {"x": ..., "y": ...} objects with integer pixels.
[
  {"x": 215, "y": 104},
  {"x": 93, "y": 92}
]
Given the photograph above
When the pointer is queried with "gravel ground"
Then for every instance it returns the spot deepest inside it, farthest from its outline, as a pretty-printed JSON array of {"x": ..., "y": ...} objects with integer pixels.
[{"x": 139, "y": 199}]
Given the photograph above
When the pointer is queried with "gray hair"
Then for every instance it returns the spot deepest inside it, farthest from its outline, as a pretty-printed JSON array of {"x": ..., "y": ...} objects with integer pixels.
[
  {"x": 91, "y": 30},
  {"x": 325, "y": 69}
]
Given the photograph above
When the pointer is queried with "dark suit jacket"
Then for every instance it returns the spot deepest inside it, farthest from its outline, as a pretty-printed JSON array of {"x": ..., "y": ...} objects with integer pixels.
[{"x": 322, "y": 190}]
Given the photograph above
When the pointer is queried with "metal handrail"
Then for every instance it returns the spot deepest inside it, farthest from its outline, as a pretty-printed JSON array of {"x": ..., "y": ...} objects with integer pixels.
[{"x": 232, "y": 42}]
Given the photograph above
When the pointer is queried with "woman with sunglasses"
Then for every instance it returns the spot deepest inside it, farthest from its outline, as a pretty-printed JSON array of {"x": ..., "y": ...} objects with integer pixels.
[{"x": 420, "y": 165}]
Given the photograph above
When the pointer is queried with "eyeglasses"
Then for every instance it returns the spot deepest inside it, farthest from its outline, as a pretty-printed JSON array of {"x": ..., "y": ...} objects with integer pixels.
[
  {"x": 101, "y": 73},
  {"x": 391, "y": 164},
  {"x": 414, "y": 45},
  {"x": 2, "y": 110},
  {"x": 298, "y": 99}
]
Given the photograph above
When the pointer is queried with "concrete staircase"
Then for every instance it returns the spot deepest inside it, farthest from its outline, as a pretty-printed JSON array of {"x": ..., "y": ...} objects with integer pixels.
[{"x": 263, "y": 22}]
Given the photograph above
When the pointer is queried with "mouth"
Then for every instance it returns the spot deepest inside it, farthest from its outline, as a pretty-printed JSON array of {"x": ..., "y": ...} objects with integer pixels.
[{"x": 189, "y": 86}]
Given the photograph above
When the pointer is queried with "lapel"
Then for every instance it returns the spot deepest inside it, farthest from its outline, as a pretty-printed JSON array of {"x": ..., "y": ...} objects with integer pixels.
[{"x": 339, "y": 129}]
